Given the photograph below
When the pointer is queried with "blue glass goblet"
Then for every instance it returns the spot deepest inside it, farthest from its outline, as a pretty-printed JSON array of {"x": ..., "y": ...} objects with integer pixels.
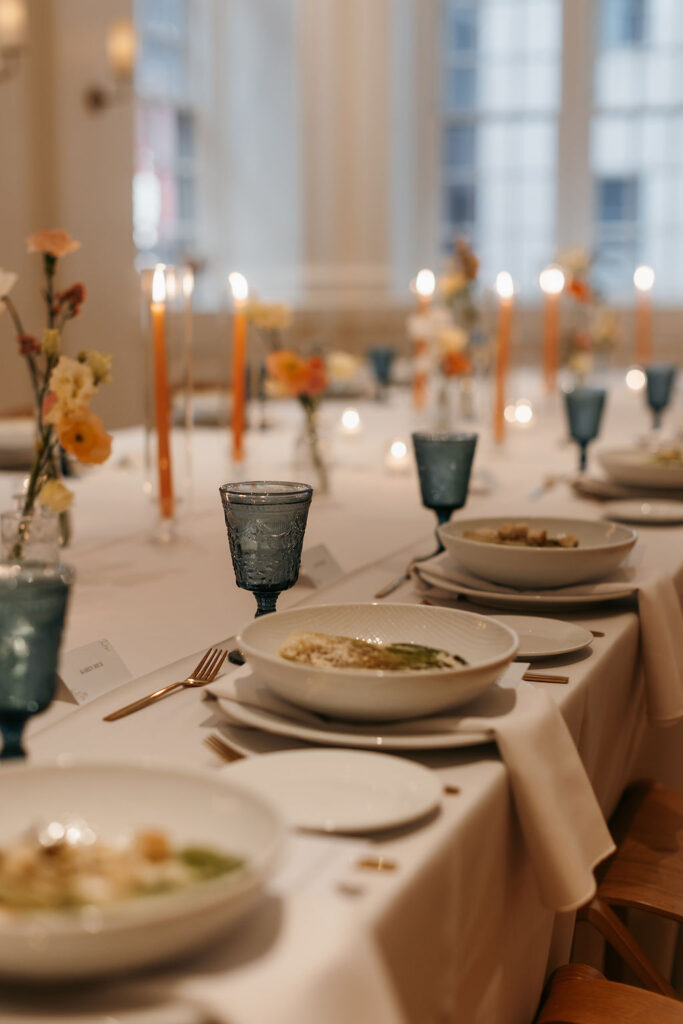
[
  {"x": 33, "y": 599},
  {"x": 584, "y": 408},
  {"x": 266, "y": 521},
  {"x": 444, "y": 462},
  {"x": 381, "y": 360},
  {"x": 660, "y": 380}
]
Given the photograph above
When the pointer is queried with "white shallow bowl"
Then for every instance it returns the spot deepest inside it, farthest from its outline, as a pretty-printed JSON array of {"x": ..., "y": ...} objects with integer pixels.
[
  {"x": 115, "y": 800},
  {"x": 373, "y": 695},
  {"x": 602, "y": 546},
  {"x": 635, "y": 467}
]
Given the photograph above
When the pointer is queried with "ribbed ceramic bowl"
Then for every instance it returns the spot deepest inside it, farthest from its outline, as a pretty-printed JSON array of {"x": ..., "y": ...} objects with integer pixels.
[
  {"x": 602, "y": 547},
  {"x": 192, "y": 808},
  {"x": 636, "y": 467},
  {"x": 373, "y": 695}
]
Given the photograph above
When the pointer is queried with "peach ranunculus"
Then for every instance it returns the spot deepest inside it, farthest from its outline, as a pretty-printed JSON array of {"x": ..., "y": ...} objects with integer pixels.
[
  {"x": 316, "y": 376},
  {"x": 83, "y": 435},
  {"x": 288, "y": 369},
  {"x": 54, "y": 243},
  {"x": 73, "y": 385}
]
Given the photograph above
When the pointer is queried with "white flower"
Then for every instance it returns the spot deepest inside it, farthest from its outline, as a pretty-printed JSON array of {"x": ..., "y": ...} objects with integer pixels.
[
  {"x": 73, "y": 385},
  {"x": 428, "y": 326},
  {"x": 342, "y": 366},
  {"x": 55, "y": 496},
  {"x": 99, "y": 363},
  {"x": 8, "y": 279}
]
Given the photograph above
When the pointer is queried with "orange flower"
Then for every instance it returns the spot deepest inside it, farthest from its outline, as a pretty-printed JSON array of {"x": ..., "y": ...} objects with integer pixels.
[
  {"x": 455, "y": 363},
  {"x": 316, "y": 376},
  {"x": 289, "y": 370},
  {"x": 53, "y": 243},
  {"x": 83, "y": 434},
  {"x": 579, "y": 289}
]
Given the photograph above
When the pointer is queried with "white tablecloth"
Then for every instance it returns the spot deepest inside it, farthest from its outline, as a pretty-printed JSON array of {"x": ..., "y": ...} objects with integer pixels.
[{"x": 458, "y": 933}]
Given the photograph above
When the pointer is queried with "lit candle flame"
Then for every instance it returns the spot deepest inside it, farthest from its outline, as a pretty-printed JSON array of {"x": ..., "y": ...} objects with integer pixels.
[
  {"x": 505, "y": 285},
  {"x": 643, "y": 278},
  {"x": 188, "y": 282},
  {"x": 159, "y": 284},
  {"x": 238, "y": 286},
  {"x": 425, "y": 283},
  {"x": 551, "y": 280}
]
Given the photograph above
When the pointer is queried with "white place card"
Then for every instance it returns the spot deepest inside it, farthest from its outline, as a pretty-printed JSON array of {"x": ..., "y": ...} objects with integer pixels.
[
  {"x": 319, "y": 566},
  {"x": 93, "y": 669}
]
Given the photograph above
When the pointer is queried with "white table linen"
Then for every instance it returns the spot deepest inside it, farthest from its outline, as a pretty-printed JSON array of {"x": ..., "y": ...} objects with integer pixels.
[{"x": 458, "y": 932}]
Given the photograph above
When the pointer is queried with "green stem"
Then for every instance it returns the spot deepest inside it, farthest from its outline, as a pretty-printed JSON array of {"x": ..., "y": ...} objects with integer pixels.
[
  {"x": 16, "y": 320},
  {"x": 311, "y": 406}
]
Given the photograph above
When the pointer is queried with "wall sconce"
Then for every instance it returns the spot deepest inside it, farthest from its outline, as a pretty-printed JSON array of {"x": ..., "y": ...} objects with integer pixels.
[
  {"x": 13, "y": 30},
  {"x": 122, "y": 46}
]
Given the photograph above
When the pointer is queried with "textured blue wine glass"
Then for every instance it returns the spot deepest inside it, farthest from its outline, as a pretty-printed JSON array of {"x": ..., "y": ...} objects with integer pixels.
[
  {"x": 266, "y": 521},
  {"x": 584, "y": 408},
  {"x": 33, "y": 599},
  {"x": 660, "y": 381},
  {"x": 444, "y": 462},
  {"x": 381, "y": 360}
]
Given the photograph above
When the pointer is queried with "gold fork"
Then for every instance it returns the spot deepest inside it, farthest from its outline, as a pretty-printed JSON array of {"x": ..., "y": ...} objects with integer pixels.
[
  {"x": 205, "y": 672},
  {"x": 222, "y": 749}
]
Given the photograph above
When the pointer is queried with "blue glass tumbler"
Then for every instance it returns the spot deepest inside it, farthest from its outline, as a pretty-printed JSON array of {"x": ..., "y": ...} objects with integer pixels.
[
  {"x": 381, "y": 360},
  {"x": 33, "y": 600},
  {"x": 266, "y": 522},
  {"x": 444, "y": 463},
  {"x": 584, "y": 408},
  {"x": 660, "y": 381}
]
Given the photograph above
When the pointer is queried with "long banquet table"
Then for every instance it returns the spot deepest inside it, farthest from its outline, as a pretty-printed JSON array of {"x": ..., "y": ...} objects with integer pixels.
[{"x": 457, "y": 932}]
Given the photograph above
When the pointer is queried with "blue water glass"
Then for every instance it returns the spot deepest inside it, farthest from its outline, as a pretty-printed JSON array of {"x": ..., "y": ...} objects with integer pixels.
[
  {"x": 381, "y": 360},
  {"x": 266, "y": 521},
  {"x": 660, "y": 381},
  {"x": 584, "y": 408},
  {"x": 33, "y": 599},
  {"x": 444, "y": 462}
]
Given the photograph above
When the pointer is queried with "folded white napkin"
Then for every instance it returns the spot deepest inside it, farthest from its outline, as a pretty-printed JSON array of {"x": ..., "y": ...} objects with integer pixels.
[
  {"x": 563, "y": 826},
  {"x": 661, "y": 622}
]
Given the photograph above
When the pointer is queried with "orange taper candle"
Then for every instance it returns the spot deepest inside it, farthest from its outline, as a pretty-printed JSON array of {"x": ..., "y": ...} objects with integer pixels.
[
  {"x": 505, "y": 289},
  {"x": 643, "y": 279},
  {"x": 158, "y": 313},
  {"x": 423, "y": 285},
  {"x": 240, "y": 294},
  {"x": 551, "y": 281}
]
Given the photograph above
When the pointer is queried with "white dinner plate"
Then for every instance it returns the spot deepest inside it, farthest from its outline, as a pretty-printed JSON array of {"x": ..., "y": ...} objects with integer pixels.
[
  {"x": 545, "y": 638},
  {"x": 636, "y": 467},
  {"x": 371, "y": 736},
  {"x": 341, "y": 790},
  {"x": 540, "y": 599},
  {"x": 655, "y": 512}
]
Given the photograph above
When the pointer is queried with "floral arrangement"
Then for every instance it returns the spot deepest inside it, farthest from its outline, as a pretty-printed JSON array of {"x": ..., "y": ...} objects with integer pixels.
[
  {"x": 593, "y": 328},
  {"x": 63, "y": 387},
  {"x": 306, "y": 380}
]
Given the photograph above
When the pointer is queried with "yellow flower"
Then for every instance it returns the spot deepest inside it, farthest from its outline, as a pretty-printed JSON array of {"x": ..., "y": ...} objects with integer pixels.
[
  {"x": 53, "y": 243},
  {"x": 452, "y": 340},
  {"x": 83, "y": 434},
  {"x": 55, "y": 496},
  {"x": 99, "y": 363},
  {"x": 50, "y": 344},
  {"x": 342, "y": 366},
  {"x": 269, "y": 316},
  {"x": 73, "y": 385}
]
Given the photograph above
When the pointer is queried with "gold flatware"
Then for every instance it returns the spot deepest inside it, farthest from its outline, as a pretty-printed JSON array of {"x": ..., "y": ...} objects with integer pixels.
[
  {"x": 373, "y": 863},
  {"x": 543, "y": 677},
  {"x": 222, "y": 748},
  {"x": 205, "y": 672}
]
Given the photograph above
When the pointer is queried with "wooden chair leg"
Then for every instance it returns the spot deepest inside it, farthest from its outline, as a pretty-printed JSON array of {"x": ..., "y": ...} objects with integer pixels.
[{"x": 602, "y": 917}]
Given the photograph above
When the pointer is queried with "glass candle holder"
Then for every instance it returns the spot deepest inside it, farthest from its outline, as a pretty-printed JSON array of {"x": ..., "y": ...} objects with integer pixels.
[{"x": 659, "y": 379}]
